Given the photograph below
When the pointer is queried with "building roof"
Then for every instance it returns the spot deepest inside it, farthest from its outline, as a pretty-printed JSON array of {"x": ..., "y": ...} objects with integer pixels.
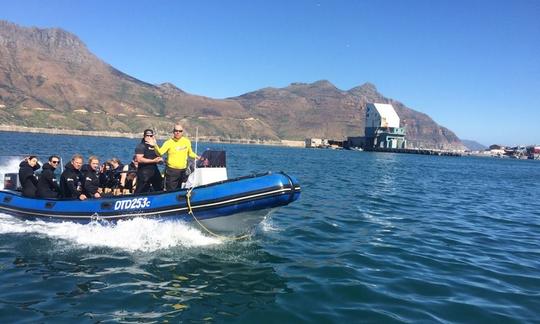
[{"x": 389, "y": 117}]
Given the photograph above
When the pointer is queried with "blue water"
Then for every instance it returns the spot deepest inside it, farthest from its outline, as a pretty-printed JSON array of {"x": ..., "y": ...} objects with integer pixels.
[{"x": 375, "y": 237}]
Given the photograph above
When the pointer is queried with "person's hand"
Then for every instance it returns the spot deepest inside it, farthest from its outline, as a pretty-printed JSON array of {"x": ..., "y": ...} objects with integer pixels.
[
  {"x": 159, "y": 159},
  {"x": 151, "y": 141},
  {"x": 97, "y": 195},
  {"x": 82, "y": 197}
]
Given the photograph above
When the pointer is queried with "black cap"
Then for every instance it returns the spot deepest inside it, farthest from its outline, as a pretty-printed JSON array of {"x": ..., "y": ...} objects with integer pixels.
[{"x": 148, "y": 132}]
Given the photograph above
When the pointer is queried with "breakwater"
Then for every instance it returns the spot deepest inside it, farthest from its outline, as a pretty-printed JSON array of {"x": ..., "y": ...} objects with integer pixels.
[{"x": 415, "y": 151}]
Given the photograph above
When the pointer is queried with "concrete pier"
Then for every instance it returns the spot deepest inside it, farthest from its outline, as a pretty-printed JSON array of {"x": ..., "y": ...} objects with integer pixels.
[{"x": 414, "y": 151}]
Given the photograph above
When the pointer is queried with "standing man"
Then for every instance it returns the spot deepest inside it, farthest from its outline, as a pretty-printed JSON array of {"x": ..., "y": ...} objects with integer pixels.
[
  {"x": 177, "y": 148},
  {"x": 148, "y": 176},
  {"x": 71, "y": 179},
  {"x": 47, "y": 186}
]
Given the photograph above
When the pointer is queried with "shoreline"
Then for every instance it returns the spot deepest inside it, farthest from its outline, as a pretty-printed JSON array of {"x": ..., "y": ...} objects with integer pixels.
[{"x": 209, "y": 139}]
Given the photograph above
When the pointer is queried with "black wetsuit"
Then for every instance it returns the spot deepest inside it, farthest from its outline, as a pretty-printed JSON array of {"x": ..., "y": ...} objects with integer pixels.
[
  {"x": 71, "y": 182},
  {"x": 130, "y": 176},
  {"x": 47, "y": 186},
  {"x": 148, "y": 176},
  {"x": 28, "y": 179},
  {"x": 115, "y": 174},
  {"x": 90, "y": 181}
]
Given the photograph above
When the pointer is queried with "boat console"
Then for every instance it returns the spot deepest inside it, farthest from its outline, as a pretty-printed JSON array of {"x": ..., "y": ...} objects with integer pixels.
[{"x": 211, "y": 169}]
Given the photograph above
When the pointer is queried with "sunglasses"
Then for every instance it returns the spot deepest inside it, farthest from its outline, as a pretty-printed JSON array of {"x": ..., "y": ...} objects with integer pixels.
[
  {"x": 149, "y": 135},
  {"x": 55, "y": 162},
  {"x": 178, "y": 130}
]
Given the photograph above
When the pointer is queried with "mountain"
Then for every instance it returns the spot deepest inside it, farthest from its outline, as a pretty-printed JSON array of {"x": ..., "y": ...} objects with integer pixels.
[
  {"x": 473, "y": 145},
  {"x": 49, "y": 78},
  {"x": 320, "y": 109}
]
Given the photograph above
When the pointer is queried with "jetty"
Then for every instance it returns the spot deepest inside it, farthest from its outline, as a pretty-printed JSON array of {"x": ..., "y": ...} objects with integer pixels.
[{"x": 414, "y": 151}]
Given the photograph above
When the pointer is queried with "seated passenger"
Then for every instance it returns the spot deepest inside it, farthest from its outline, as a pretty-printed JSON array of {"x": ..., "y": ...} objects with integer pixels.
[
  {"x": 91, "y": 179},
  {"x": 128, "y": 177},
  {"x": 104, "y": 177},
  {"x": 116, "y": 171},
  {"x": 47, "y": 187},
  {"x": 27, "y": 177},
  {"x": 71, "y": 179}
]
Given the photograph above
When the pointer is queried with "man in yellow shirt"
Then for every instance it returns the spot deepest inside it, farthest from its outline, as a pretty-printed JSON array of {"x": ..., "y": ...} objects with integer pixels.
[{"x": 177, "y": 148}]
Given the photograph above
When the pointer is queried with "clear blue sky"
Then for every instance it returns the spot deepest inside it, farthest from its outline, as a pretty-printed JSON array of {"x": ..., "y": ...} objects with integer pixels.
[{"x": 473, "y": 66}]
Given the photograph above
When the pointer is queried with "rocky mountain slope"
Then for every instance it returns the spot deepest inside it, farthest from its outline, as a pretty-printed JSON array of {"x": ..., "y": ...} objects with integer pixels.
[
  {"x": 48, "y": 78},
  {"x": 473, "y": 145}
]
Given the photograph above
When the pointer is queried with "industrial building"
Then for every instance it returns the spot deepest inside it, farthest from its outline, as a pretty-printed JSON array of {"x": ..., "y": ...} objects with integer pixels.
[{"x": 382, "y": 129}]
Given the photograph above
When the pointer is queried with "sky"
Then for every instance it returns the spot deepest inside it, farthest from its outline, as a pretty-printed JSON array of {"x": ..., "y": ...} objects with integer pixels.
[{"x": 471, "y": 65}]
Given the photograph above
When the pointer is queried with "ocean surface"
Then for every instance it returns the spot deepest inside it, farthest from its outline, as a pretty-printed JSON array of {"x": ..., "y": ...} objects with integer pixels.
[{"x": 375, "y": 237}]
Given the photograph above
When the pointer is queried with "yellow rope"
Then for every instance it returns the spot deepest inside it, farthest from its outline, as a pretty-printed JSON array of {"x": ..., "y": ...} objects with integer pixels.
[{"x": 190, "y": 211}]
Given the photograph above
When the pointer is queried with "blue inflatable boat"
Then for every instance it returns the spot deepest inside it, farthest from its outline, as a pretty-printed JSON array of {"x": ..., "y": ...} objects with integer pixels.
[{"x": 227, "y": 206}]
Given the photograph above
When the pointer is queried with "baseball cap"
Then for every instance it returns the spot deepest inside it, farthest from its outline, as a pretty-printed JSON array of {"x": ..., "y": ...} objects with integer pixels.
[{"x": 148, "y": 132}]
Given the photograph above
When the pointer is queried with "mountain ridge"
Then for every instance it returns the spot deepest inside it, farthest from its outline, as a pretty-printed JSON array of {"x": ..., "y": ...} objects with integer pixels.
[{"x": 49, "y": 78}]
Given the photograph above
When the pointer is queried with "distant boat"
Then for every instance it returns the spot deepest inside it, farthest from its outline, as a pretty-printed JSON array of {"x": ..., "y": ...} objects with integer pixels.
[{"x": 228, "y": 206}]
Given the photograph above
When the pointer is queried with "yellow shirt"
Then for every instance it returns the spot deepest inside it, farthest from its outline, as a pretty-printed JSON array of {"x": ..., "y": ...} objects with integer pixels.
[{"x": 177, "y": 151}]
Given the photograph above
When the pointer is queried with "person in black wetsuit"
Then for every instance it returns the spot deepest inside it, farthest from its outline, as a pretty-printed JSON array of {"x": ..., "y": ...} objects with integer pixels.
[
  {"x": 116, "y": 172},
  {"x": 27, "y": 177},
  {"x": 128, "y": 178},
  {"x": 47, "y": 186},
  {"x": 71, "y": 179},
  {"x": 91, "y": 187},
  {"x": 148, "y": 175}
]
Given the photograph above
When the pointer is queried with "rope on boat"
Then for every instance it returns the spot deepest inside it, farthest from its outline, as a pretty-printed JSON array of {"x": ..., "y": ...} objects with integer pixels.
[{"x": 222, "y": 237}]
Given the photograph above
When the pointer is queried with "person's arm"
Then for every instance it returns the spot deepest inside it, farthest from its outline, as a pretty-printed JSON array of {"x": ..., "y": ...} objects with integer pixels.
[
  {"x": 34, "y": 179},
  {"x": 141, "y": 159},
  {"x": 163, "y": 149},
  {"x": 123, "y": 176},
  {"x": 48, "y": 177},
  {"x": 192, "y": 154},
  {"x": 88, "y": 187},
  {"x": 139, "y": 155},
  {"x": 71, "y": 186},
  {"x": 23, "y": 174},
  {"x": 81, "y": 195}
]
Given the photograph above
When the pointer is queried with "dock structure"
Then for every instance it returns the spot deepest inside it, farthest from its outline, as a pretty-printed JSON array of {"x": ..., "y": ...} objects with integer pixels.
[{"x": 414, "y": 151}]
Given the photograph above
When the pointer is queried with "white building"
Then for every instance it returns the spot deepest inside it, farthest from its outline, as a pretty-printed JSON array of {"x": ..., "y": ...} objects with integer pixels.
[
  {"x": 381, "y": 115},
  {"x": 382, "y": 127},
  {"x": 316, "y": 142}
]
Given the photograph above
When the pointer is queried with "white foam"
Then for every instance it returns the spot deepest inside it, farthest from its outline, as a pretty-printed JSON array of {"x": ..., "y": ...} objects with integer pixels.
[
  {"x": 131, "y": 235},
  {"x": 267, "y": 225}
]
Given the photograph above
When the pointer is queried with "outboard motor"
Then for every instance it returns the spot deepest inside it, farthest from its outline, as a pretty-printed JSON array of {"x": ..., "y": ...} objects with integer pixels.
[
  {"x": 212, "y": 169},
  {"x": 11, "y": 181}
]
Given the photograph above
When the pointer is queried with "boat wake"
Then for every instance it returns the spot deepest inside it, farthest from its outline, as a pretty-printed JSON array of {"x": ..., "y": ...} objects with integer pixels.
[{"x": 138, "y": 234}]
